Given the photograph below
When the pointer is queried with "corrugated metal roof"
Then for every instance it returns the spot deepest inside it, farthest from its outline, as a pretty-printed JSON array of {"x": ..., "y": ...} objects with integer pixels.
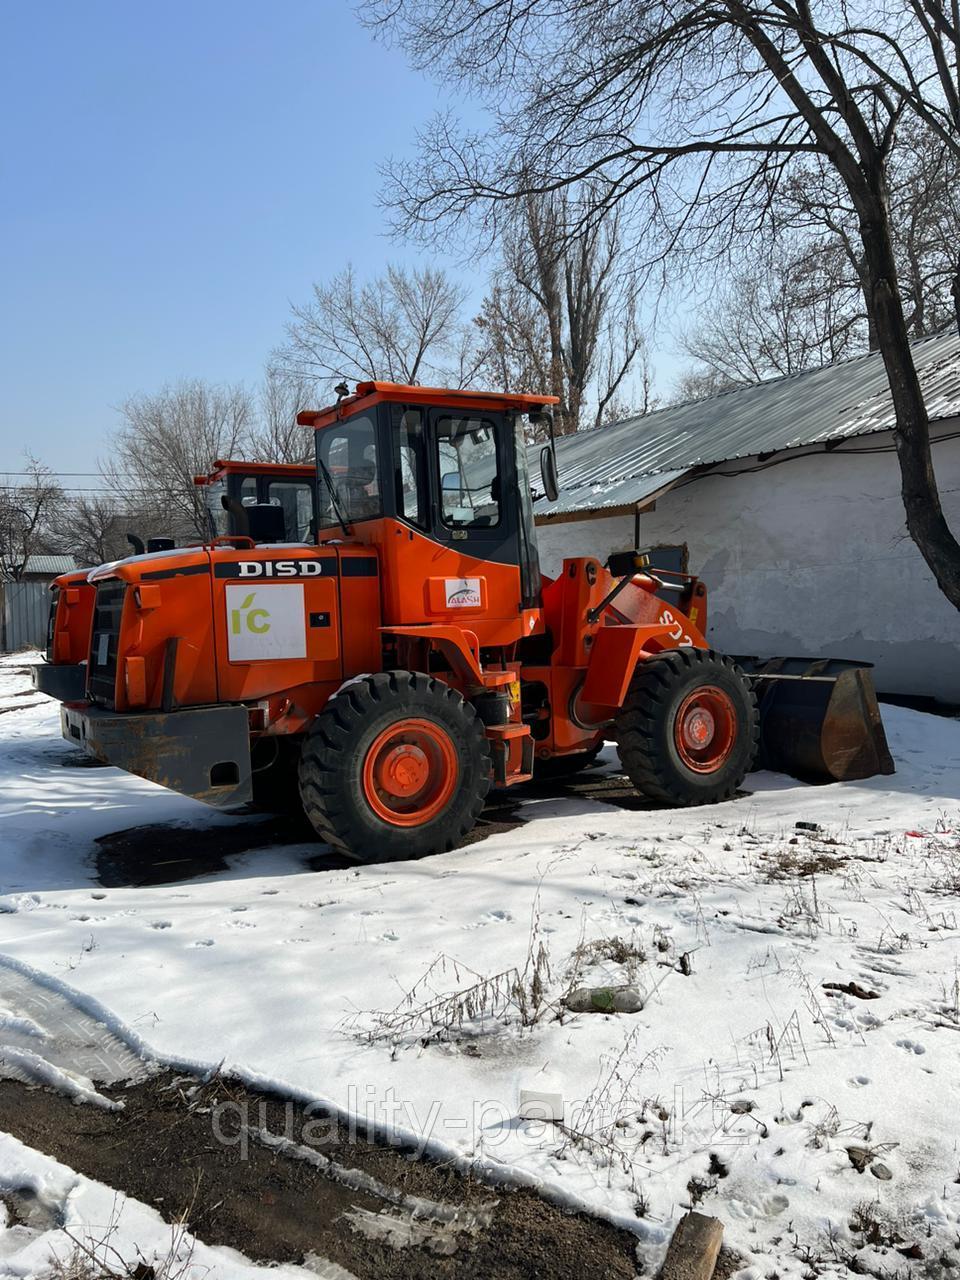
[
  {"x": 613, "y": 466},
  {"x": 52, "y": 565}
]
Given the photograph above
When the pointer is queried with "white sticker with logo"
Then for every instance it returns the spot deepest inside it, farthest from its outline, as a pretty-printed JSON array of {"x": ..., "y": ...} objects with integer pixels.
[
  {"x": 462, "y": 593},
  {"x": 265, "y": 622}
]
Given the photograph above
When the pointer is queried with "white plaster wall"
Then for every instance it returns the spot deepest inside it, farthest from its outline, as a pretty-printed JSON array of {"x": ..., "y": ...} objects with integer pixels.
[{"x": 808, "y": 557}]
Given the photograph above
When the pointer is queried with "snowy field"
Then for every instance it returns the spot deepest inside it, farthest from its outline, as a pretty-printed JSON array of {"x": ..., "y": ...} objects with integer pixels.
[{"x": 794, "y": 1070}]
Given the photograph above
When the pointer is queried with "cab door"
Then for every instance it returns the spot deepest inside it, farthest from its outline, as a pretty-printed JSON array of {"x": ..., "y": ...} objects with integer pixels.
[{"x": 482, "y": 504}]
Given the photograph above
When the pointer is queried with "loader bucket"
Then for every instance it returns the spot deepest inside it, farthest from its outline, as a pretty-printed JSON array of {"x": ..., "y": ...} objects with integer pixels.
[{"x": 819, "y": 721}]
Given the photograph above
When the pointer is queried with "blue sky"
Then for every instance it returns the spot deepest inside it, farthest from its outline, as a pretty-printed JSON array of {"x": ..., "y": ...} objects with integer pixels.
[{"x": 172, "y": 176}]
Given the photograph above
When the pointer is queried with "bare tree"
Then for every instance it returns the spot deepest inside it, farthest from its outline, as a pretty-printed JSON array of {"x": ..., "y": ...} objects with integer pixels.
[
  {"x": 92, "y": 529},
  {"x": 689, "y": 116},
  {"x": 623, "y": 377},
  {"x": 700, "y": 384},
  {"x": 405, "y": 326},
  {"x": 168, "y": 438},
  {"x": 783, "y": 313},
  {"x": 923, "y": 176},
  {"x": 27, "y": 508},
  {"x": 515, "y": 339},
  {"x": 562, "y": 314},
  {"x": 276, "y": 437},
  {"x": 925, "y": 213},
  {"x": 802, "y": 304}
]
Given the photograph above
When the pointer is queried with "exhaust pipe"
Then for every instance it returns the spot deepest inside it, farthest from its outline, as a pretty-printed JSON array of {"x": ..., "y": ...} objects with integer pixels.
[{"x": 819, "y": 720}]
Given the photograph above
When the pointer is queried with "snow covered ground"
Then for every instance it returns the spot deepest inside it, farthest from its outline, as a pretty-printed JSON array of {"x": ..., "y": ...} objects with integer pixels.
[{"x": 741, "y": 1085}]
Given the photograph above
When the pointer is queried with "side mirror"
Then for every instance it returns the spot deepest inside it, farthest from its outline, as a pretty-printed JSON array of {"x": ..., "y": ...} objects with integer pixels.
[{"x": 548, "y": 473}]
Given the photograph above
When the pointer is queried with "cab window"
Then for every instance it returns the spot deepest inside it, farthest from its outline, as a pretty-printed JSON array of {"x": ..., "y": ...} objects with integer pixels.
[
  {"x": 217, "y": 519},
  {"x": 469, "y": 475},
  {"x": 296, "y": 499},
  {"x": 348, "y": 484},
  {"x": 409, "y": 443}
]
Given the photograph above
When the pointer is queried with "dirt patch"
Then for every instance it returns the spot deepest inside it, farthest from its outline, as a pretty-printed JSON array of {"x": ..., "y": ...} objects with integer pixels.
[
  {"x": 189, "y": 1150},
  {"x": 606, "y": 788},
  {"x": 805, "y": 862}
]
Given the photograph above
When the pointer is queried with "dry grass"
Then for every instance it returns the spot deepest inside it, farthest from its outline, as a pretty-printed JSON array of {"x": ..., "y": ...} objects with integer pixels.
[
  {"x": 97, "y": 1257},
  {"x": 433, "y": 1011}
]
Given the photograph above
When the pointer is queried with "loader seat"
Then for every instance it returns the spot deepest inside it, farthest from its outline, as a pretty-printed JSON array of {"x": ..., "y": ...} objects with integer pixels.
[{"x": 358, "y": 481}]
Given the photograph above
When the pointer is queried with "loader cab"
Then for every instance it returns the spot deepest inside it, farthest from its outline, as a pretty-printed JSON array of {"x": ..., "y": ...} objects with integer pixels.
[
  {"x": 286, "y": 492},
  {"x": 450, "y": 467}
]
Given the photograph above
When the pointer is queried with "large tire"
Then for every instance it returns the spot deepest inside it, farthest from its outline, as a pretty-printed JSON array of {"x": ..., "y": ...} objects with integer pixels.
[
  {"x": 688, "y": 729},
  {"x": 396, "y": 766}
]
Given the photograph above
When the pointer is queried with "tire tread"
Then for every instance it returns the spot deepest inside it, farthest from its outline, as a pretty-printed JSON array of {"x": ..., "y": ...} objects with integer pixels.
[{"x": 639, "y": 724}]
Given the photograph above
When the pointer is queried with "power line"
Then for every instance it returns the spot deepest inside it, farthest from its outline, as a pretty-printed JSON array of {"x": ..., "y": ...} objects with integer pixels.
[{"x": 152, "y": 492}]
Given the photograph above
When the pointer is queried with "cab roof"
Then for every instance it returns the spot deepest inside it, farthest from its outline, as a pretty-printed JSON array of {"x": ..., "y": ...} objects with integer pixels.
[
  {"x": 281, "y": 470},
  {"x": 371, "y": 393}
]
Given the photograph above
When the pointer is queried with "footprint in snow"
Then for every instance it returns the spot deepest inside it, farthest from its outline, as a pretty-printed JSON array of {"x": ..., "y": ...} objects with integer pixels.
[
  {"x": 765, "y": 1207},
  {"x": 911, "y": 1046},
  {"x": 389, "y": 936},
  {"x": 858, "y": 1082},
  {"x": 203, "y": 942},
  {"x": 845, "y": 1024},
  {"x": 489, "y": 917},
  {"x": 886, "y": 966},
  {"x": 161, "y": 924}
]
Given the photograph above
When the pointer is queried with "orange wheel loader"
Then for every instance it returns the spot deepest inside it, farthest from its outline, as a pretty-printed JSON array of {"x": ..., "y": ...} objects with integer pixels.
[
  {"x": 229, "y": 488},
  {"x": 414, "y": 656}
]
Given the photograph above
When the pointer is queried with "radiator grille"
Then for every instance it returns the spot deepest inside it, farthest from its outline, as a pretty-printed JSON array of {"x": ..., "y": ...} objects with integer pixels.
[{"x": 104, "y": 641}]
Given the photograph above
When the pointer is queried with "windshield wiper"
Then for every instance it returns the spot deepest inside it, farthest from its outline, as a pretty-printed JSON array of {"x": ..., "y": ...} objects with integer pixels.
[{"x": 334, "y": 498}]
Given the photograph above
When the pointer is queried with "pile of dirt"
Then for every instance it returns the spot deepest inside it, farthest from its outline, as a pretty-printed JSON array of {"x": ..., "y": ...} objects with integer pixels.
[{"x": 281, "y": 1182}]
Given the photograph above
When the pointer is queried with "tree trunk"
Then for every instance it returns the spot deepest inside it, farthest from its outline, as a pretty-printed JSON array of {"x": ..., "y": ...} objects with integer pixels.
[
  {"x": 558, "y": 381},
  {"x": 863, "y": 271},
  {"x": 921, "y": 500}
]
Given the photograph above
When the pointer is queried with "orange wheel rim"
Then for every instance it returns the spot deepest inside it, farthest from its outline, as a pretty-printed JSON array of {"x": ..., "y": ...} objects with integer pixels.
[
  {"x": 705, "y": 729},
  {"x": 410, "y": 772}
]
